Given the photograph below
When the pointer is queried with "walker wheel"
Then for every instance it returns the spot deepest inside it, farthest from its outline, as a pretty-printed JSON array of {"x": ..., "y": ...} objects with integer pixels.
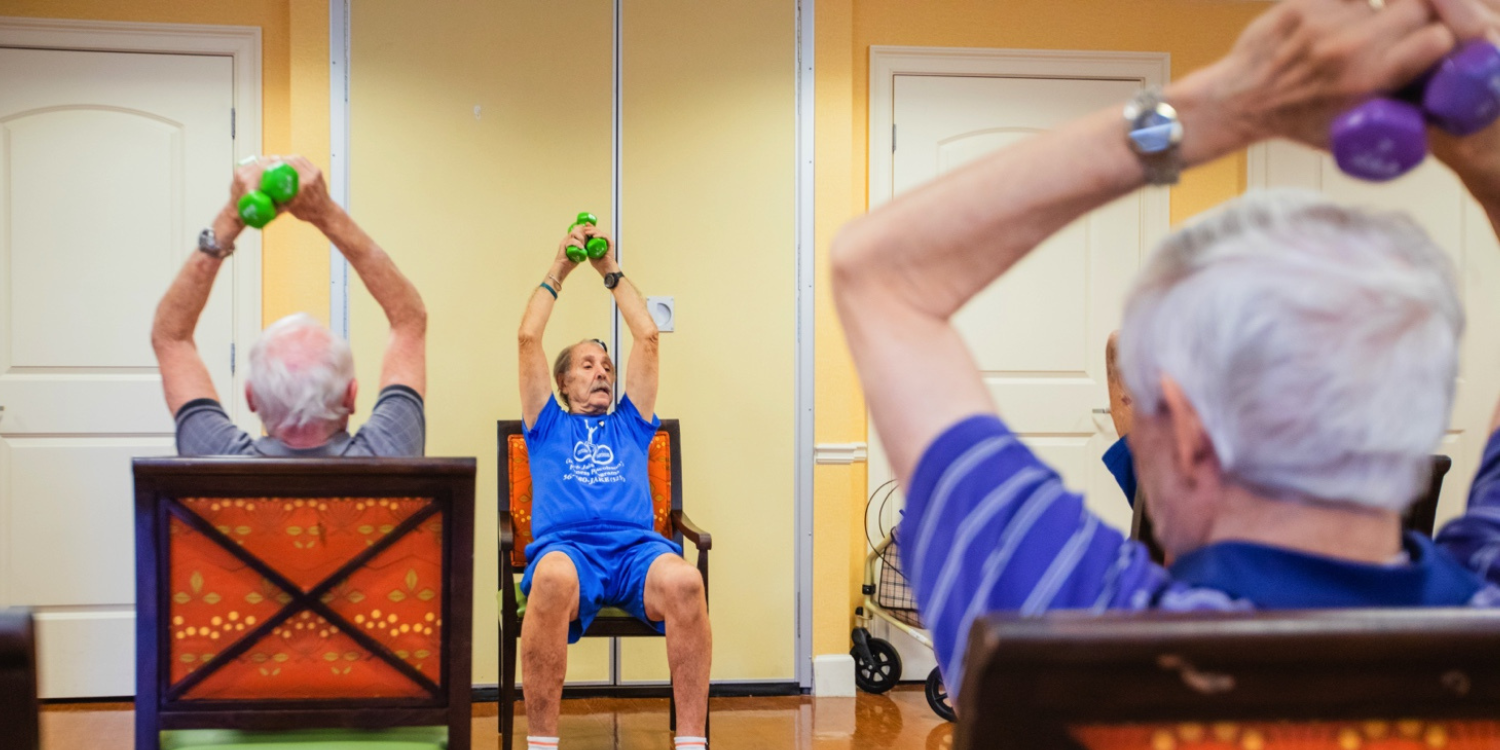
[
  {"x": 882, "y": 671},
  {"x": 937, "y": 696}
]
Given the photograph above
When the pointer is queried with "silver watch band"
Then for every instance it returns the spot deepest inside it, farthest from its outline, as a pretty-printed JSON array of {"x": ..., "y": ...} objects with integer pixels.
[
  {"x": 208, "y": 244},
  {"x": 1154, "y": 133}
]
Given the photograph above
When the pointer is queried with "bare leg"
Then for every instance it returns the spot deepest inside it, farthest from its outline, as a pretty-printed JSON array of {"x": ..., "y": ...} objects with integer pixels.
[
  {"x": 674, "y": 593},
  {"x": 544, "y": 640}
]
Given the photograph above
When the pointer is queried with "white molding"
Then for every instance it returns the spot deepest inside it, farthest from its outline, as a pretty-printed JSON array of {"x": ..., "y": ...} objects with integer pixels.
[
  {"x": 840, "y": 453},
  {"x": 805, "y": 360},
  {"x": 338, "y": 157},
  {"x": 1257, "y": 166},
  {"x": 243, "y": 45},
  {"x": 1149, "y": 68}
]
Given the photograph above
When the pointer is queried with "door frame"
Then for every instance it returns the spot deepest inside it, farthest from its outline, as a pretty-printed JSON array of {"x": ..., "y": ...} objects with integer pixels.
[
  {"x": 887, "y": 62},
  {"x": 243, "y": 45}
]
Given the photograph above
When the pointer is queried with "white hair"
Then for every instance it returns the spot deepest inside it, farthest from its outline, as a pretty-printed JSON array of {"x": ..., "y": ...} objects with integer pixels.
[
  {"x": 306, "y": 387},
  {"x": 1318, "y": 343}
]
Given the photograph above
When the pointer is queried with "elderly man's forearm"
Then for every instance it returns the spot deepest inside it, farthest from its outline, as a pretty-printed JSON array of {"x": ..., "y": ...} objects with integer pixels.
[
  {"x": 637, "y": 318},
  {"x": 395, "y": 294},
  {"x": 938, "y": 246},
  {"x": 177, "y": 313}
]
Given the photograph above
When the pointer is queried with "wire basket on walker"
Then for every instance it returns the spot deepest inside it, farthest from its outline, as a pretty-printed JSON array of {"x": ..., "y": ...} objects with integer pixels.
[{"x": 888, "y": 596}]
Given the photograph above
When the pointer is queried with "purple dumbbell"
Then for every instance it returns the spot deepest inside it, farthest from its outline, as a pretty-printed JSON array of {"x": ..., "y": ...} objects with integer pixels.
[
  {"x": 1385, "y": 138},
  {"x": 1379, "y": 140},
  {"x": 1463, "y": 93}
]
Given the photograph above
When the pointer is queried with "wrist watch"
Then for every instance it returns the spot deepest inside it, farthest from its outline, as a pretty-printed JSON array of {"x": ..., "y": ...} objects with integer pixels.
[
  {"x": 1155, "y": 134},
  {"x": 612, "y": 278},
  {"x": 209, "y": 245}
]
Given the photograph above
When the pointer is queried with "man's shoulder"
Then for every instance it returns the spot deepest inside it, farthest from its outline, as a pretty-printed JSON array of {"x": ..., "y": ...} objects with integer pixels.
[{"x": 203, "y": 428}]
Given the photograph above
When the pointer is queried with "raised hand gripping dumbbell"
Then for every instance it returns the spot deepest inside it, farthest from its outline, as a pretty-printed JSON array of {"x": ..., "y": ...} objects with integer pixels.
[
  {"x": 594, "y": 248},
  {"x": 278, "y": 186},
  {"x": 1385, "y": 138}
]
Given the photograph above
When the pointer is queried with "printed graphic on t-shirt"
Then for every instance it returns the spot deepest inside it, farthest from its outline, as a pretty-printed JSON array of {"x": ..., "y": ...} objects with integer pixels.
[{"x": 593, "y": 463}]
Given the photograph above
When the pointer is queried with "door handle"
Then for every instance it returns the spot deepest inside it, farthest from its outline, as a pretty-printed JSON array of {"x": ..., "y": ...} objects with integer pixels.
[{"x": 1101, "y": 410}]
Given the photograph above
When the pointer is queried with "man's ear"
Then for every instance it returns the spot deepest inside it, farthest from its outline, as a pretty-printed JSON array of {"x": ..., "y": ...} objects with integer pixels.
[
  {"x": 350, "y": 394},
  {"x": 1191, "y": 447},
  {"x": 250, "y": 398}
]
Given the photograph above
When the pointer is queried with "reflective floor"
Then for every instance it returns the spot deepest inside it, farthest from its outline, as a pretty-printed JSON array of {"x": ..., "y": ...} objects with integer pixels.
[{"x": 899, "y": 719}]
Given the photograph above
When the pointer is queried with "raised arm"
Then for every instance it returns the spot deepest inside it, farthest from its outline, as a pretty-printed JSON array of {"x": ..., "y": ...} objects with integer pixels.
[
  {"x": 641, "y": 374},
  {"x": 1474, "y": 158},
  {"x": 184, "y": 377},
  {"x": 902, "y": 270},
  {"x": 405, "y": 361},
  {"x": 536, "y": 373}
]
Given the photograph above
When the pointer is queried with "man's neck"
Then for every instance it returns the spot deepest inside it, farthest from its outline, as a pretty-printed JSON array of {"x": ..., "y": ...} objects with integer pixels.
[
  {"x": 1343, "y": 531},
  {"x": 311, "y": 435}
]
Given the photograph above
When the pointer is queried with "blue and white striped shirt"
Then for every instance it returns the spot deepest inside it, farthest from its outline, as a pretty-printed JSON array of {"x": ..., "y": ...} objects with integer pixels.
[{"x": 989, "y": 527}]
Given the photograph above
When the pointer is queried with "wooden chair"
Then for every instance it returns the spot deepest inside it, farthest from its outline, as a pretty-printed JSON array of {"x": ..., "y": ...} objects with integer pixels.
[
  {"x": 665, "y": 473},
  {"x": 18, "y": 703},
  {"x": 1419, "y": 517},
  {"x": 1396, "y": 679},
  {"x": 329, "y": 596}
]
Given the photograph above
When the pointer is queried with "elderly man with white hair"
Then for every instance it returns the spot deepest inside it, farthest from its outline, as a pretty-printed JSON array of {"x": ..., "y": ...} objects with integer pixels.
[
  {"x": 301, "y": 377},
  {"x": 1292, "y": 361}
]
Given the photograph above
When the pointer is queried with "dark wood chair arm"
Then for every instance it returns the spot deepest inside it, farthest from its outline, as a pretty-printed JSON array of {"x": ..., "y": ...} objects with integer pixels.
[
  {"x": 507, "y": 534},
  {"x": 700, "y": 538}
]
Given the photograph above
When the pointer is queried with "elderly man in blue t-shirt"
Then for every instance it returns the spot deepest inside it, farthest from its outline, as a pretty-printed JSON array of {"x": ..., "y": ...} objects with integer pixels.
[
  {"x": 595, "y": 541},
  {"x": 1292, "y": 361}
]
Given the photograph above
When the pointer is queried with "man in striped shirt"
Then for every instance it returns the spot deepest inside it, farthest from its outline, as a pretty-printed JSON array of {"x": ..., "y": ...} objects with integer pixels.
[{"x": 1292, "y": 361}]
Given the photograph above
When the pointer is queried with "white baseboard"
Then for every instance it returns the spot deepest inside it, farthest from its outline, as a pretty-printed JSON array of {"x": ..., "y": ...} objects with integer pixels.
[{"x": 833, "y": 676}]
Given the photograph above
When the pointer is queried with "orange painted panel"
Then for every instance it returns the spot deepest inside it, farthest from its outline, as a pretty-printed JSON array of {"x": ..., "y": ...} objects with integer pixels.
[
  {"x": 307, "y": 539},
  {"x": 397, "y": 598},
  {"x": 1404, "y": 734},
  {"x": 305, "y": 657}
]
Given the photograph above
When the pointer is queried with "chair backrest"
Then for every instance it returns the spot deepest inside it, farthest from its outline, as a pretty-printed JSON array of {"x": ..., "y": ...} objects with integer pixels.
[
  {"x": 18, "y": 703},
  {"x": 663, "y": 468},
  {"x": 1420, "y": 516},
  {"x": 1332, "y": 679},
  {"x": 300, "y": 593}
]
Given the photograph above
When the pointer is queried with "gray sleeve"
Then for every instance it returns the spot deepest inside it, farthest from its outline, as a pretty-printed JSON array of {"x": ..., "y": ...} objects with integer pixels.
[
  {"x": 204, "y": 429},
  {"x": 397, "y": 426}
]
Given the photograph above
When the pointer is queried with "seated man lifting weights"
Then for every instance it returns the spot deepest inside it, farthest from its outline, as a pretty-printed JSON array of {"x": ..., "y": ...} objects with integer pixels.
[
  {"x": 1292, "y": 361},
  {"x": 301, "y": 376},
  {"x": 595, "y": 544}
]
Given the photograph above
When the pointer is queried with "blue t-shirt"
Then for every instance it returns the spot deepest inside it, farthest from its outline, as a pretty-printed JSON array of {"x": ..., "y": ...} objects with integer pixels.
[
  {"x": 1121, "y": 464},
  {"x": 988, "y": 526},
  {"x": 590, "y": 471}
]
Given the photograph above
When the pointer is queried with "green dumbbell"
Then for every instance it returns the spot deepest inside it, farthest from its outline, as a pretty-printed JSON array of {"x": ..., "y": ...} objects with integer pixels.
[
  {"x": 278, "y": 186},
  {"x": 594, "y": 249}
]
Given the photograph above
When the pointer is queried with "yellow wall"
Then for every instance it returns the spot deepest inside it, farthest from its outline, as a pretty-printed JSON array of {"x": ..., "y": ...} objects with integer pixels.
[
  {"x": 294, "y": 78},
  {"x": 708, "y": 201},
  {"x": 472, "y": 210},
  {"x": 1195, "y": 32}
]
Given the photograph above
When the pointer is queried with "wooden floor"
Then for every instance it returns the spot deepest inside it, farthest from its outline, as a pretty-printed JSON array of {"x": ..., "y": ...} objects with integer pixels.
[{"x": 899, "y": 719}]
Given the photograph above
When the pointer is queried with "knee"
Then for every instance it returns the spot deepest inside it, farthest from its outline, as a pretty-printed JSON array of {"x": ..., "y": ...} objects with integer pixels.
[
  {"x": 683, "y": 590},
  {"x": 554, "y": 582}
]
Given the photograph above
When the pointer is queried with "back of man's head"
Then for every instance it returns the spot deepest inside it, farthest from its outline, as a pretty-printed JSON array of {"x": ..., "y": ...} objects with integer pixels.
[
  {"x": 1318, "y": 343},
  {"x": 299, "y": 374}
]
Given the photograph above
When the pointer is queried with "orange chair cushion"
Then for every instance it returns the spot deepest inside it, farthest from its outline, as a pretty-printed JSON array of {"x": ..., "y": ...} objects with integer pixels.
[
  {"x": 658, "y": 469},
  {"x": 216, "y": 599},
  {"x": 1404, "y": 734}
]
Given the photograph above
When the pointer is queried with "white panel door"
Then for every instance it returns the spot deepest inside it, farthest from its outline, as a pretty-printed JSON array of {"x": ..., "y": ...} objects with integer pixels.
[
  {"x": 1038, "y": 333},
  {"x": 110, "y": 164},
  {"x": 1435, "y": 198}
]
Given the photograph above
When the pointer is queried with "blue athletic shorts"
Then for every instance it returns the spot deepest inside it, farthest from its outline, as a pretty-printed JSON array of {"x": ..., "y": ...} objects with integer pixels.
[{"x": 612, "y": 563}]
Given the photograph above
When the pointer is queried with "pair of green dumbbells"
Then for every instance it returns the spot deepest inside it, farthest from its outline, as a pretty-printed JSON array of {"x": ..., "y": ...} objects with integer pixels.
[
  {"x": 594, "y": 249},
  {"x": 278, "y": 186}
]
